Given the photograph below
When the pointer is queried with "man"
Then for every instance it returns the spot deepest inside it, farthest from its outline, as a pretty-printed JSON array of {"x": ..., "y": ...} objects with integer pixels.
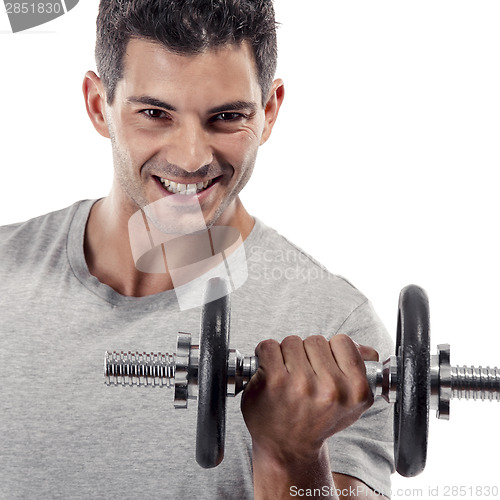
[{"x": 186, "y": 95}]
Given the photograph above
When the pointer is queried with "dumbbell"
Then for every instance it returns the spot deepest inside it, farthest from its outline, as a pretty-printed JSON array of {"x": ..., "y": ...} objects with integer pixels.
[{"x": 413, "y": 380}]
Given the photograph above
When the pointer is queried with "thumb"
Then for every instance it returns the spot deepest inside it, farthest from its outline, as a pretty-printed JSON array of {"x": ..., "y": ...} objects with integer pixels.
[{"x": 367, "y": 353}]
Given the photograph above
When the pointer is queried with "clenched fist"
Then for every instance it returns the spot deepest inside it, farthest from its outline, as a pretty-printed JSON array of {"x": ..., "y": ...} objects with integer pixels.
[{"x": 303, "y": 392}]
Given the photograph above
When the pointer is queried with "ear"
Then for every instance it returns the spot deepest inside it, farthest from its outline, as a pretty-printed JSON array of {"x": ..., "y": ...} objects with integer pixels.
[
  {"x": 95, "y": 102},
  {"x": 273, "y": 105}
]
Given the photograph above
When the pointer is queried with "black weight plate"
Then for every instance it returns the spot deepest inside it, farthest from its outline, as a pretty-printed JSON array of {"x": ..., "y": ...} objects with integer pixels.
[
  {"x": 212, "y": 375},
  {"x": 411, "y": 411}
]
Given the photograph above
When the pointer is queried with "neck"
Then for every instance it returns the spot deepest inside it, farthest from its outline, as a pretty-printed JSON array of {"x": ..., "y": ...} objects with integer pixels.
[{"x": 108, "y": 249}]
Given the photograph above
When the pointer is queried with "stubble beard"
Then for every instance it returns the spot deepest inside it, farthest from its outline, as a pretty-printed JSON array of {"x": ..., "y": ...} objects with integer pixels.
[{"x": 165, "y": 221}]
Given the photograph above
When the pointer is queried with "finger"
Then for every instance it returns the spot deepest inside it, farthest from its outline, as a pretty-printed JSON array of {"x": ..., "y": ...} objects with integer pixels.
[
  {"x": 270, "y": 356},
  {"x": 367, "y": 353},
  {"x": 350, "y": 362},
  {"x": 347, "y": 356},
  {"x": 294, "y": 355},
  {"x": 320, "y": 356}
]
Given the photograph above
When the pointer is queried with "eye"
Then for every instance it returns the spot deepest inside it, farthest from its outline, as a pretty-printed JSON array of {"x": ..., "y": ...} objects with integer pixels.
[
  {"x": 228, "y": 117},
  {"x": 154, "y": 114}
]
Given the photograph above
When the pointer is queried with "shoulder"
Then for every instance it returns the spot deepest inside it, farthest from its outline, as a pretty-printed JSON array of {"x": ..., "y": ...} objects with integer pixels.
[
  {"x": 35, "y": 237},
  {"x": 291, "y": 289},
  {"x": 275, "y": 260},
  {"x": 284, "y": 277}
]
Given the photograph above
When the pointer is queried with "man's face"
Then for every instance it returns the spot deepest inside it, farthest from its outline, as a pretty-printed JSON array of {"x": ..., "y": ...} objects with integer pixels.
[{"x": 185, "y": 124}]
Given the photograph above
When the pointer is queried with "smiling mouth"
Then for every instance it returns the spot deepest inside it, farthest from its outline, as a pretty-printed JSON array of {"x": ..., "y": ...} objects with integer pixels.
[{"x": 185, "y": 189}]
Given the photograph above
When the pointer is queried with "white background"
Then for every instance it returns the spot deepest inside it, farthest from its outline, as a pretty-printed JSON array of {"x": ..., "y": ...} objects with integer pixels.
[{"x": 382, "y": 166}]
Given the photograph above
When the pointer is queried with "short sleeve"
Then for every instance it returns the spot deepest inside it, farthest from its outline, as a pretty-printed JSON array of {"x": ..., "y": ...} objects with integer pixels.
[{"x": 365, "y": 450}]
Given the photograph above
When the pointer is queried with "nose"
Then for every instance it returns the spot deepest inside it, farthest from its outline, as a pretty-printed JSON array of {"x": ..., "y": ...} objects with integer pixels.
[{"x": 189, "y": 146}]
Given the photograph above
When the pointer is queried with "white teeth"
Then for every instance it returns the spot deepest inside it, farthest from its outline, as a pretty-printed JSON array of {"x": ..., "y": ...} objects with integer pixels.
[{"x": 186, "y": 189}]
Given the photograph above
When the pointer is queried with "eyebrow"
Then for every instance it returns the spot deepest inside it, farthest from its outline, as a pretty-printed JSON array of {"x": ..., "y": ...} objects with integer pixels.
[
  {"x": 234, "y": 105},
  {"x": 151, "y": 101}
]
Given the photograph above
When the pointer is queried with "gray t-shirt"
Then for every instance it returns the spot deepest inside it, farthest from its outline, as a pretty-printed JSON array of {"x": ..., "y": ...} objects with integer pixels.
[{"x": 65, "y": 435}]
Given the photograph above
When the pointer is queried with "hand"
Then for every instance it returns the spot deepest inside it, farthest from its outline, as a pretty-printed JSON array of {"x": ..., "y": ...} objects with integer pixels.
[{"x": 304, "y": 392}]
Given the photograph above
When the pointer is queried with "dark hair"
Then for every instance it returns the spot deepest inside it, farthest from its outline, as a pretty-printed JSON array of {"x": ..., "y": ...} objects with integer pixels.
[{"x": 185, "y": 27}]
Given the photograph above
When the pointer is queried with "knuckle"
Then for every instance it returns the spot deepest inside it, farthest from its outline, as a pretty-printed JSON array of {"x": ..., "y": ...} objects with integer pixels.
[
  {"x": 291, "y": 340},
  {"x": 331, "y": 393},
  {"x": 301, "y": 387},
  {"x": 315, "y": 341},
  {"x": 266, "y": 346},
  {"x": 340, "y": 339}
]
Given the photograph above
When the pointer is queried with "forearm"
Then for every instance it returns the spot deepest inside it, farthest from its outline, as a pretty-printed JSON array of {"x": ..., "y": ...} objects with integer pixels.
[{"x": 278, "y": 479}]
